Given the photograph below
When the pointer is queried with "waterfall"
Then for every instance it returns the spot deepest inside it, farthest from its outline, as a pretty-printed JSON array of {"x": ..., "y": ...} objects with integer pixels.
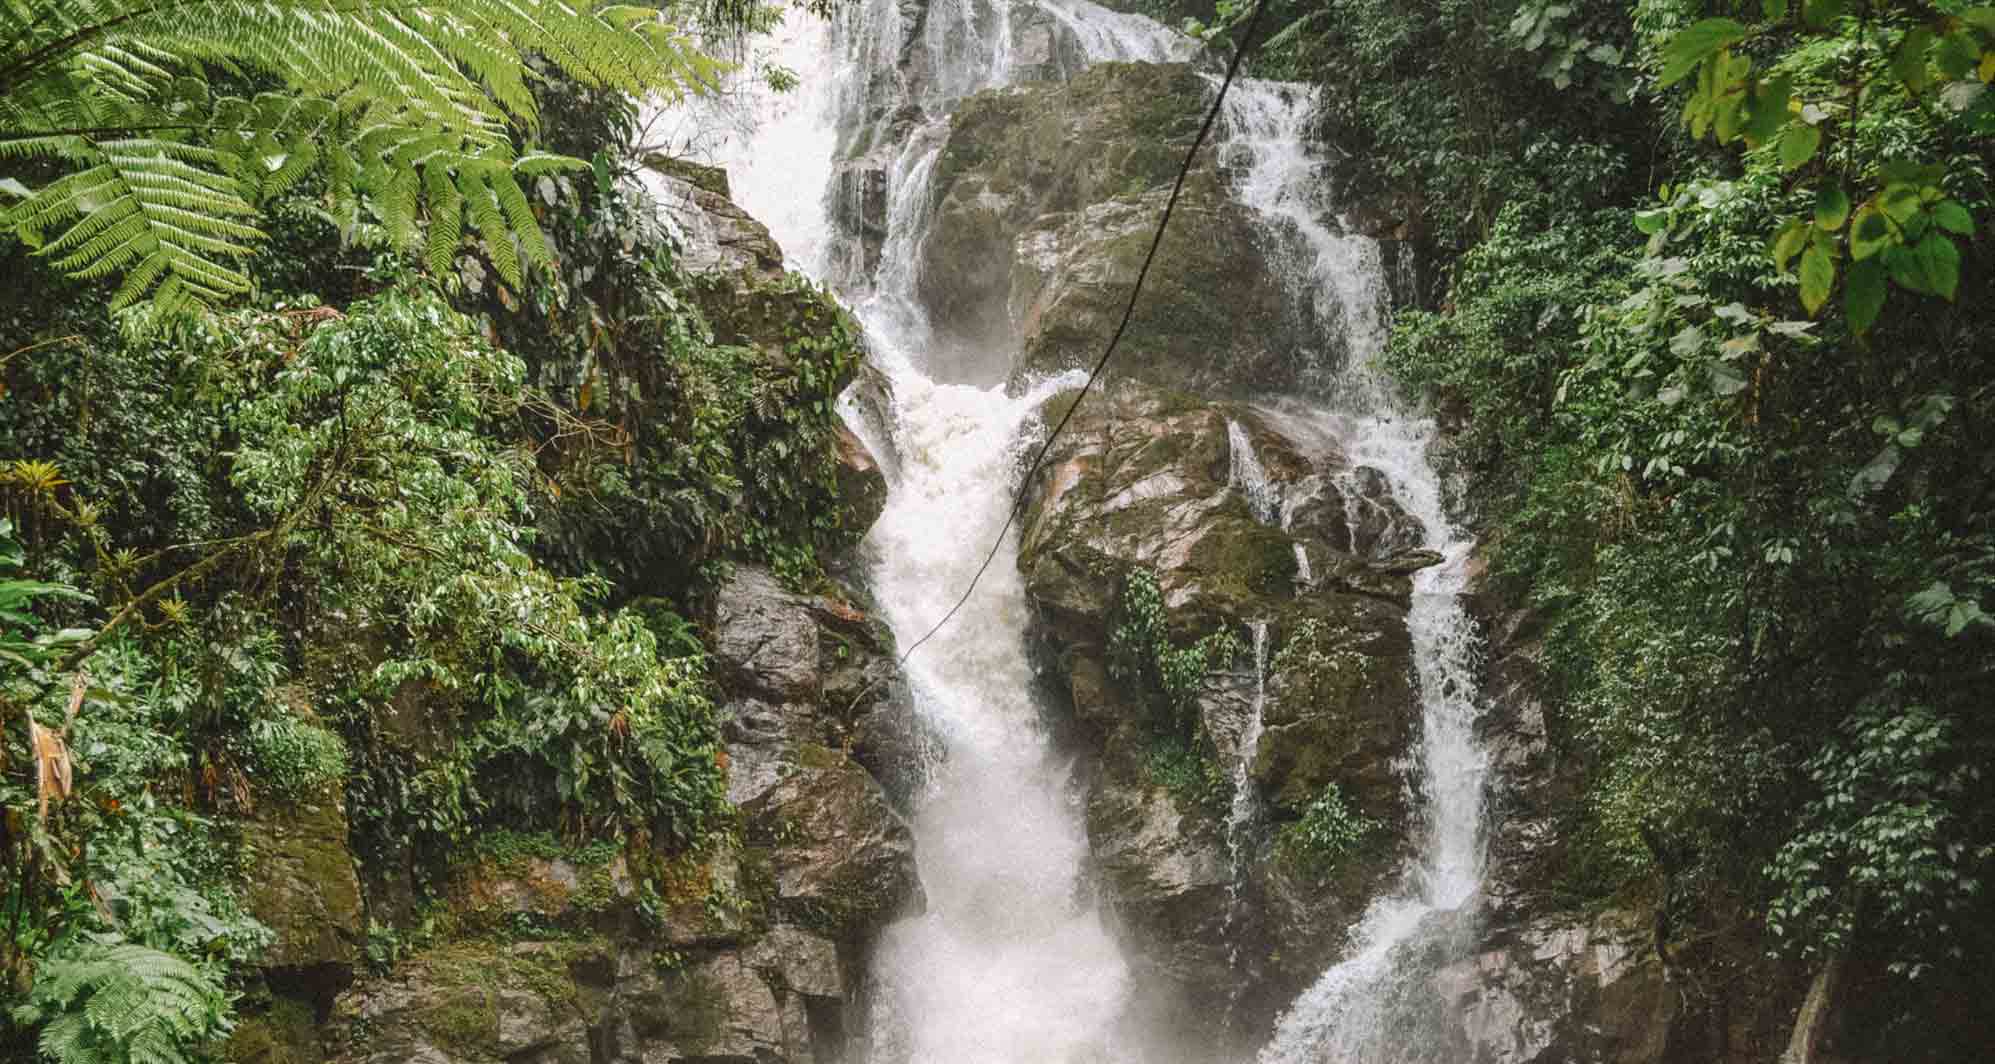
[
  {"x": 1249, "y": 477},
  {"x": 1367, "y": 1007},
  {"x": 1011, "y": 962}
]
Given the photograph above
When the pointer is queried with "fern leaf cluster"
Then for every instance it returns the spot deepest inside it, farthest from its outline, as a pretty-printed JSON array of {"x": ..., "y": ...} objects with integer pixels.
[
  {"x": 408, "y": 107},
  {"x": 123, "y": 1004}
]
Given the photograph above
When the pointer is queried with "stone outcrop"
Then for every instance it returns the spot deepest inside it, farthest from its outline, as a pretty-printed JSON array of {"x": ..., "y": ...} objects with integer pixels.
[
  {"x": 746, "y": 951},
  {"x": 305, "y": 889},
  {"x": 716, "y": 235},
  {"x": 1034, "y": 244},
  {"x": 1141, "y": 480}
]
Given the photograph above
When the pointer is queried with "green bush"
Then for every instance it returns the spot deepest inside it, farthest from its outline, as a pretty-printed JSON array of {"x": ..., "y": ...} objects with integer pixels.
[
  {"x": 293, "y": 758},
  {"x": 1328, "y": 832}
]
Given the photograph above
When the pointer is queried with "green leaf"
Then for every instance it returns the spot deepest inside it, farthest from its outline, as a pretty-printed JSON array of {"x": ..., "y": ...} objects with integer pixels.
[
  {"x": 1863, "y": 296},
  {"x": 1953, "y": 217},
  {"x": 1941, "y": 257},
  {"x": 1832, "y": 208},
  {"x": 1726, "y": 380},
  {"x": 1899, "y": 201},
  {"x": 1698, "y": 42},
  {"x": 1788, "y": 243},
  {"x": 1909, "y": 62},
  {"x": 1798, "y": 144},
  {"x": 1818, "y": 276},
  {"x": 1906, "y": 268},
  {"x": 1766, "y": 110},
  {"x": 1869, "y": 232},
  {"x": 1651, "y": 222},
  {"x": 1957, "y": 53}
]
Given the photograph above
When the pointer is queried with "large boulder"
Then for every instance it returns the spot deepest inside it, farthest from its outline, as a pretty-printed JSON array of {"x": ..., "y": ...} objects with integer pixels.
[
  {"x": 479, "y": 1003},
  {"x": 1254, "y": 525},
  {"x": 304, "y": 887},
  {"x": 715, "y": 235},
  {"x": 1036, "y": 244}
]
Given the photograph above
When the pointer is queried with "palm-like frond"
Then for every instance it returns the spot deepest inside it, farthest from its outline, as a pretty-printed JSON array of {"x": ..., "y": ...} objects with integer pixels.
[
  {"x": 406, "y": 105},
  {"x": 123, "y": 1002}
]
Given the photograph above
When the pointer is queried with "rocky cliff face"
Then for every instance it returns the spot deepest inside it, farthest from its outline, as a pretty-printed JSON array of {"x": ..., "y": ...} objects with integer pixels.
[
  {"x": 750, "y": 949},
  {"x": 1045, "y": 202},
  {"x": 1223, "y": 917},
  {"x": 753, "y": 953},
  {"x": 1044, "y": 198}
]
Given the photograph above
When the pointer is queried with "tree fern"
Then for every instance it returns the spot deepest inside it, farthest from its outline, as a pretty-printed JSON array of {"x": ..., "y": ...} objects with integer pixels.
[
  {"x": 407, "y": 106},
  {"x": 123, "y": 1004}
]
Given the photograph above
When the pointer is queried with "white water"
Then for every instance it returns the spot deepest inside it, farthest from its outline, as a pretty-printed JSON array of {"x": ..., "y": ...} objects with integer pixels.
[
  {"x": 1248, "y": 476},
  {"x": 1347, "y": 1015},
  {"x": 1010, "y": 965}
]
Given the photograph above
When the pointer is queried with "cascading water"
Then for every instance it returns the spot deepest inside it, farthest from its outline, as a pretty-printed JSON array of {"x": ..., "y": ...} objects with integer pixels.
[
  {"x": 1241, "y": 816},
  {"x": 1358, "y": 1011},
  {"x": 1010, "y": 963},
  {"x": 1248, "y": 476}
]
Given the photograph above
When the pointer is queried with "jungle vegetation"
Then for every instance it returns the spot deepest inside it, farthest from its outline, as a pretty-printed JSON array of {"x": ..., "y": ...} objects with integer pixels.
[
  {"x": 1704, "y": 289},
  {"x": 339, "y": 339}
]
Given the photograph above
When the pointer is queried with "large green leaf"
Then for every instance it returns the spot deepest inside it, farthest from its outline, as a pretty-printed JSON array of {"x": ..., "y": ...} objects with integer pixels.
[
  {"x": 1818, "y": 276},
  {"x": 1832, "y": 208},
  {"x": 1909, "y": 61},
  {"x": 1863, "y": 296},
  {"x": 1870, "y": 232},
  {"x": 1698, "y": 42},
  {"x": 1798, "y": 144}
]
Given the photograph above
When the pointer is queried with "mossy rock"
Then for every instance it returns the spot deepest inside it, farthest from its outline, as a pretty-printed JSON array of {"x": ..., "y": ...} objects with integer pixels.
[
  {"x": 285, "y": 1031},
  {"x": 1341, "y": 709},
  {"x": 480, "y": 1001},
  {"x": 304, "y": 886}
]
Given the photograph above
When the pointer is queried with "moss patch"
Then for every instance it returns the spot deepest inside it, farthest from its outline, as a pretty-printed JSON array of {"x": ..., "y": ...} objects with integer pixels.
[{"x": 284, "y": 1033}]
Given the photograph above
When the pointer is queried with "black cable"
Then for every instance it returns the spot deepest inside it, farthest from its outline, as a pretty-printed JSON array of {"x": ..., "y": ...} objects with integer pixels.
[{"x": 1128, "y": 311}]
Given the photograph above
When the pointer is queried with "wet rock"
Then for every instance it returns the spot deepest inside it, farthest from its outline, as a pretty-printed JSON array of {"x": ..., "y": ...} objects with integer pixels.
[
  {"x": 862, "y": 486},
  {"x": 1557, "y": 990},
  {"x": 764, "y": 640},
  {"x": 871, "y": 398},
  {"x": 1167, "y": 867},
  {"x": 715, "y": 234},
  {"x": 1340, "y": 709},
  {"x": 1032, "y": 239},
  {"x": 304, "y": 887},
  {"x": 716, "y": 1010},
  {"x": 478, "y": 1002},
  {"x": 1220, "y": 925},
  {"x": 841, "y": 858},
  {"x": 799, "y": 961}
]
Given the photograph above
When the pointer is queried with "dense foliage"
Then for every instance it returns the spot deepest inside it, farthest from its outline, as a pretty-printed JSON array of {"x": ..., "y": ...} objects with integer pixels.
[
  {"x": 1761, "y": 537},
  {"x": 1166, "y": 678},
  {"x": 426, "y": 549}
]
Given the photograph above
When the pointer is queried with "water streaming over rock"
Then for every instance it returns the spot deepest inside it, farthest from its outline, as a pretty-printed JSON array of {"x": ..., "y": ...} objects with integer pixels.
[
  {"x": 1372, "y": 1007},
  {"x": 1011, "y": 962},
  {"x": 1249, "y": 477}
]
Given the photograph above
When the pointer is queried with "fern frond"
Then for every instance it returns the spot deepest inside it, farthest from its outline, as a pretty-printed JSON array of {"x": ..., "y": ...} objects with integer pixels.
[
  {"x": 162, "y": 175},
  {"x": 446, "y": 216},
  {"x": 123, "y": 1002}
]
